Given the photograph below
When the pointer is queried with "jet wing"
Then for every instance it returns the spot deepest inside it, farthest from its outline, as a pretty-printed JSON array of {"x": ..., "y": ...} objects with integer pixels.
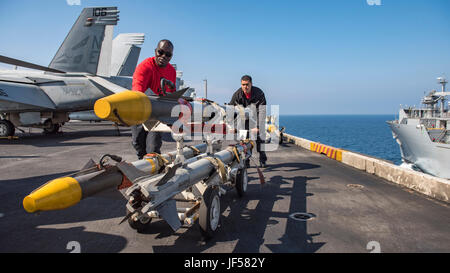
[
  {"x": 17, "y": 62},
  {"x": 37, "y": 80},
  {"x": 21, "y": 96},
  {"x": 16, "y": 79},
  {"x": 107, "y": 84},
  {"x": 26, "y": 80}
]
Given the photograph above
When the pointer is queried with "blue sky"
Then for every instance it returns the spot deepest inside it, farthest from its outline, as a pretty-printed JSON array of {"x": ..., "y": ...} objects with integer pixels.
[{"x": 309, "y": 57}]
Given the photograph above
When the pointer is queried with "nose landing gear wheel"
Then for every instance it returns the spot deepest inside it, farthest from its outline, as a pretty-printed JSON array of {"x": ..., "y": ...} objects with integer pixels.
[
  {"x": 209, "y": 212},
  {"x": 51, "y": 128},
  {"x": 6, "y": 128}
]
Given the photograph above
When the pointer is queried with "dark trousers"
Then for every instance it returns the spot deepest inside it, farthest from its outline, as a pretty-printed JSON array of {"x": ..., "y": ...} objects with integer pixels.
[
  {"x": 145, "y": 142},
  {"x": 262, "y": 154}
]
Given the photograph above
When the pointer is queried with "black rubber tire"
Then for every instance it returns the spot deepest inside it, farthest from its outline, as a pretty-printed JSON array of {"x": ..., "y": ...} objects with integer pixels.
[
  {"x": 241, "y": 182},
  {"x": 53, "y": 129},
  {"x": 209, "y": 212},
  {"x": 7, "y": 128},
  {"x": 138, "y": 225}
]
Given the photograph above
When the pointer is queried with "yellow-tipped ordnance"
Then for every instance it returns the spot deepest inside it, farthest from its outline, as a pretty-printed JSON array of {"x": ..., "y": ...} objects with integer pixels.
[
  {"x": 65, "y": 192},
  {"x": 60, "y": 193},
  {"x": 130, "y": 107}
]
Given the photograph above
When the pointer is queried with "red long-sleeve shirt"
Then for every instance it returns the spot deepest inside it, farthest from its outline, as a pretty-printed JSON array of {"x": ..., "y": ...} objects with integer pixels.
[{"x": 148, "y": 75}]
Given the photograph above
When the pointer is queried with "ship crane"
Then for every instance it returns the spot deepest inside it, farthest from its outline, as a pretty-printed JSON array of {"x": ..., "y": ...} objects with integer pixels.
[{"x": 443, "y": 94}]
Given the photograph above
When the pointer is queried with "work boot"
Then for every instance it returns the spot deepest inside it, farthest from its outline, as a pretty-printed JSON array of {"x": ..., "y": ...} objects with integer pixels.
[{"x": 263, "y": 165}]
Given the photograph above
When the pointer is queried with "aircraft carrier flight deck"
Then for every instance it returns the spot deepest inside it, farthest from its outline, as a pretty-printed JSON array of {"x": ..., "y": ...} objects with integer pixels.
[{"x": 309, "y": 203}]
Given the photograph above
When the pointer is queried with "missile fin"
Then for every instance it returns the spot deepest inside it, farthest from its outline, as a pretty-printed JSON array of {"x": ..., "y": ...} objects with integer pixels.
[
  {"x": 176, "y": 95},
  {"x": 170, "y": 173},
  {"x": 150, "y": 124},
  {"x": 168, "y": 211},
  {"x": 88, "y": 165},
  {"x": 131, "y": 172},
  {"x": 127, "y": 217}
]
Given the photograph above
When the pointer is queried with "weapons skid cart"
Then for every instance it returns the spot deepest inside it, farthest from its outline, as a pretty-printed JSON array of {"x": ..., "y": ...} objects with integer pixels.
[
  {"x": 197, "y": 182},
  {"x": 195, "y": 176}
]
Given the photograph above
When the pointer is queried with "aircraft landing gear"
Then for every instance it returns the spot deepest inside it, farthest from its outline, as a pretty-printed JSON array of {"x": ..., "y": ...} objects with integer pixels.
[
  {"x": 7, "y": 129},
  {"x": 50, "y": 127}
]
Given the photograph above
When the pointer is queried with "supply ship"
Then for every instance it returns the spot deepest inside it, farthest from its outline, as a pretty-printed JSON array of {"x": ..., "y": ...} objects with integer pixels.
[{"x": 424, "y": 134}]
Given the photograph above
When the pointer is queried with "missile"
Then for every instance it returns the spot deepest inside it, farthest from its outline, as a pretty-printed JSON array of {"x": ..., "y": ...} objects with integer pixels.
[
  {"x": 128, "y": 107},
  {"x": 65, "y": 192},
  {"x": 133, "y": 108},
  {"x": 154, "y": 192}
]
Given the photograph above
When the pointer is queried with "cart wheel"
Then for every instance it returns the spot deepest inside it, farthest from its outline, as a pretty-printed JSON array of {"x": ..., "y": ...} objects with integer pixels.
[
  {"x": 140, "y": 224},
  {"x": 241, "y": 182},
  {"x": 209, "y": 212}
]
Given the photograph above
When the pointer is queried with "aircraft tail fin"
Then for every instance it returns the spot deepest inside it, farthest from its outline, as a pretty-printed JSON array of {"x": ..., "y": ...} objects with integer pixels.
[
  {"x": 88, "y": 46},
  {"x": 125, "y": 53}
]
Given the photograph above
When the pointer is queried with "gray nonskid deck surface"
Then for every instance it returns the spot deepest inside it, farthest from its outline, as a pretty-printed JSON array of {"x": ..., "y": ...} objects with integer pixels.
[{"x": 346, "y": 218}]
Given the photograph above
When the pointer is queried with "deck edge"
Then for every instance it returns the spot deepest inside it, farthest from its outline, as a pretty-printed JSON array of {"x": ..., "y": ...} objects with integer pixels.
[{"x": 435, "y": 187}]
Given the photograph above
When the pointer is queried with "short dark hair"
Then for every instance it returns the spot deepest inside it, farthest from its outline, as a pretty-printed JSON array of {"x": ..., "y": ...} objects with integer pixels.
[
  {"x": 246, "y": 78},
  {"x": 166, "y": 41}
]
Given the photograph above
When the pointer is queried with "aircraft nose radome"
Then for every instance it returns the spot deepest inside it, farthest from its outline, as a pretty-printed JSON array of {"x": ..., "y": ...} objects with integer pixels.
[
  {"x": 131, "y": 106},
  {"x": 60, "y": 193}
]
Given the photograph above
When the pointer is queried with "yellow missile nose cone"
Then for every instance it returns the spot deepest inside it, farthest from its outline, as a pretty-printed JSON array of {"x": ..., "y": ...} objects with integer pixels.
[
  {"x": 130, "y": 107},
  {"x": 102, "y": 108},
  {"x": 60, "y": 193},
  {"x": 29, "y": 204}
]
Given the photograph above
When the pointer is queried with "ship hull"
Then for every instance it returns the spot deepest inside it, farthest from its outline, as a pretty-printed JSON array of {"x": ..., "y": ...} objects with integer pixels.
[{"x": 417, "y": 148}]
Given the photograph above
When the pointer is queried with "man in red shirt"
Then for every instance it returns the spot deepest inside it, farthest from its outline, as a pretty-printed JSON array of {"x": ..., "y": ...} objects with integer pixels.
[{"x": 148, "y": 75}]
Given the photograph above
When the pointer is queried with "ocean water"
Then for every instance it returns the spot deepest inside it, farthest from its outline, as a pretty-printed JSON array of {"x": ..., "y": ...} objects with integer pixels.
[{"x": 366, "y": 134}]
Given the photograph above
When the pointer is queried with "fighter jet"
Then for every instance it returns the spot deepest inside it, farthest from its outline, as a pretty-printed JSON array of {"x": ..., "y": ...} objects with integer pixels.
[
  {"x": 125, "y": 56},
  {"x": 83, "y": 70}
]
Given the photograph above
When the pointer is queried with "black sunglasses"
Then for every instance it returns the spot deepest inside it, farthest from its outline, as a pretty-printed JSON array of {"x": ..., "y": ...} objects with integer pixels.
[{"x": 161, "y": 52}]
